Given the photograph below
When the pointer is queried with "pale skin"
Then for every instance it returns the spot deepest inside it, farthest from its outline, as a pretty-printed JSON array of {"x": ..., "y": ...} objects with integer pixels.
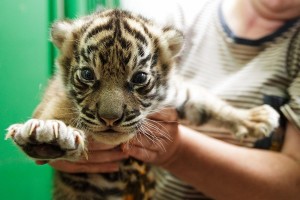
[{"x": 220, "y": 170}]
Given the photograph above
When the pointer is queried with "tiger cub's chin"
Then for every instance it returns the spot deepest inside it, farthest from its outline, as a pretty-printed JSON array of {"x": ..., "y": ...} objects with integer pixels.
[{"x": 113, "y": 137}]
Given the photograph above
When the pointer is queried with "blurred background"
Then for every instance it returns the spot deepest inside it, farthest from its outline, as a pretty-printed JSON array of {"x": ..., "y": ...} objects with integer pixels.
[{"x": 27, "y": 61}]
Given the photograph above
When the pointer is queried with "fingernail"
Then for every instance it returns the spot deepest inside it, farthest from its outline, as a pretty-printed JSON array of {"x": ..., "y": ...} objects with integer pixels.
[{"x": 41, "y": 162}]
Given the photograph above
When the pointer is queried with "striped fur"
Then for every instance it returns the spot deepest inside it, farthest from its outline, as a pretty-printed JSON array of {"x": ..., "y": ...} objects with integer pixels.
[
  {"x": 115, "y": 46},
  {"x": 115, "y": 68}
]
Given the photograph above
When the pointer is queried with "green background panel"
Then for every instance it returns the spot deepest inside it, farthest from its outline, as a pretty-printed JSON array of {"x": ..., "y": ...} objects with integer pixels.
[
  {"x": 26, "y": 63},
  {"x": 24, "y": 69}
]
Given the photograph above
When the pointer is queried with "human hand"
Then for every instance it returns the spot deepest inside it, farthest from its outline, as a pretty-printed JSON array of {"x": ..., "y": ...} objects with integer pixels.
[
  {"x": 158, "y": 140},
  {"x": 277, "y": 9},
  {"x": 102, "y": 158}
]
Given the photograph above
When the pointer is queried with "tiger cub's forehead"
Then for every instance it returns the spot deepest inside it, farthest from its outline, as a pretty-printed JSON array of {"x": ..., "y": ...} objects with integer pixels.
[
  {"x": 118, "y": 38},
  {"x": 121, "y": 23}
]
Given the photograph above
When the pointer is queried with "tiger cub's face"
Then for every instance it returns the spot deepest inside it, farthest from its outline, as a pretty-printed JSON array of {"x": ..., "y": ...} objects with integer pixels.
[{"x": 115, "y": 66}]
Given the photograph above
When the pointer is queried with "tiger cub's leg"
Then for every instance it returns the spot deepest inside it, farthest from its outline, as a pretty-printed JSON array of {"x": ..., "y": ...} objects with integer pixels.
[
  {"x": 259, "y": 121},
  {"x": 48, "y": 139},
  {"x": 199, "y": 107}
]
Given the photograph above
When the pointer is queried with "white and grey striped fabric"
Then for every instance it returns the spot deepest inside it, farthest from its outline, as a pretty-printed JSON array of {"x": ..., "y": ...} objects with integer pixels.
[{"x": 244, "y": 73}]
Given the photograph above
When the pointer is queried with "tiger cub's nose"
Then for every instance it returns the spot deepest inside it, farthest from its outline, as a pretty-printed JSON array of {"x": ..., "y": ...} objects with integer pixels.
[{"x": 111, "y": 120}]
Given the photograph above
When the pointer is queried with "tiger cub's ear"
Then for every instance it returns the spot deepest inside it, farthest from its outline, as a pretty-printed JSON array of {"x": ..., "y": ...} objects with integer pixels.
[
  {"x": 174, "y": 39},
  {"x": 60, "y": 32}
]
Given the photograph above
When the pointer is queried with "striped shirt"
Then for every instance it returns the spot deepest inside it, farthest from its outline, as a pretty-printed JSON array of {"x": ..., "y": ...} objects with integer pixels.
[{"x": 245, "y": 73}]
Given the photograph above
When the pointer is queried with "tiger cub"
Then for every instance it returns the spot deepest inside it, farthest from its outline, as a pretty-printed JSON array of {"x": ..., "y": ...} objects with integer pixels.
[{"x": 114, "y": 69}]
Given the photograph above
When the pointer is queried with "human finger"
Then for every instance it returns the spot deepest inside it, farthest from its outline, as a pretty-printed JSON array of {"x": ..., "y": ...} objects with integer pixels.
[
  {"x": 167, "y": 114},
  {"x": 159, "y": 131},
  {"x": 71, "y": 167},
  {"x": 141, "y": 153},
  {"x": 103, "y": 156},
  {"x": 94, "y": 145},
  {"x": 41, "y": 162},
  {"x": 148, "y": 142}
]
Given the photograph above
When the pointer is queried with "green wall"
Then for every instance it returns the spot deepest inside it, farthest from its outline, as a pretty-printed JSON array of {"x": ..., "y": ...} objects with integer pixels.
[
  {"x": 26, "y": 62},
  {"x": 24, "y": 68}
]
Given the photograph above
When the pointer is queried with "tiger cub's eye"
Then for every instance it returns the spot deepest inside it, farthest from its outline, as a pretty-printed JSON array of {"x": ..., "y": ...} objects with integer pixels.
[
  {"x": 87, "y": 74},
  {"x": 139, "y": 78}
]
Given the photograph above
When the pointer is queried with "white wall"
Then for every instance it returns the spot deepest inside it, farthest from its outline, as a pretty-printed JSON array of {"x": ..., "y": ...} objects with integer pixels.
[
  {"x": 158, "y": 10},
  {"x": 162, "y": 11}
]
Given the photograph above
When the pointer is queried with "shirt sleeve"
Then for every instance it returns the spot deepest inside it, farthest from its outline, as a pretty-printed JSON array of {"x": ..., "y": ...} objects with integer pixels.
[{"x": 291, "y": 110}]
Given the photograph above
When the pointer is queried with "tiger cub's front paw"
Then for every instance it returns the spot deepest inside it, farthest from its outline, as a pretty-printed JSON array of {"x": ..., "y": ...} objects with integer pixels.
[
  {"x": 48, "y": 139},
  {"x": 258, "y": 122}
]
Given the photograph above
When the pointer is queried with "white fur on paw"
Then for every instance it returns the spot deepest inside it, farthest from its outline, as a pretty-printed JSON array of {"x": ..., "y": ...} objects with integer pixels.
[
  {"x": 262, "y": 120},
  {"x": 44, "y": 136},
  {"x": 241, "y": 132}
]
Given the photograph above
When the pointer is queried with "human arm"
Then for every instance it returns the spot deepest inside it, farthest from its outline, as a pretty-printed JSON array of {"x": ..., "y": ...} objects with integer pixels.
[{"x": 225, "y": 171}]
